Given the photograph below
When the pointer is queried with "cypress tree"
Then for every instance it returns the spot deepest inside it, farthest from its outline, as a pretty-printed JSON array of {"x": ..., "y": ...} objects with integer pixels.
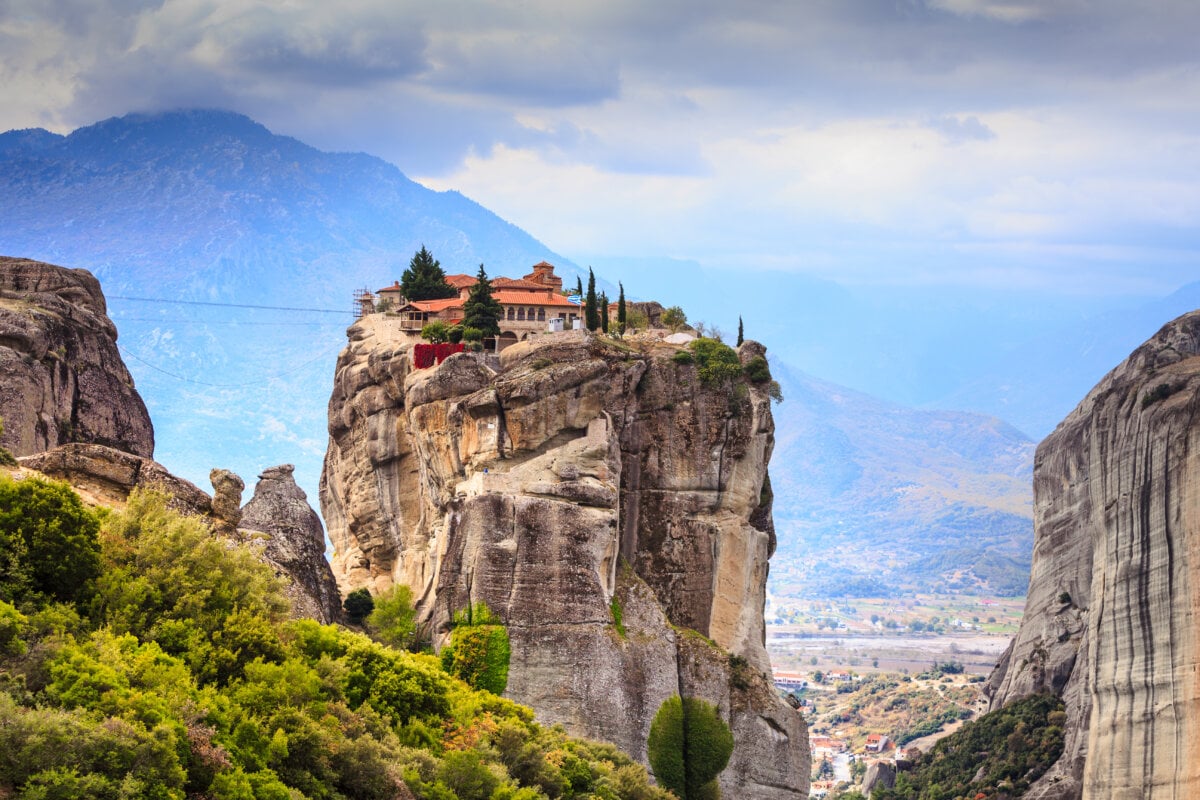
[
  {"x": 424, "y": 278},
  {"x": 482, "y": 311},
  {"x": 591, "y": 319},
  {"x": 621, "y": 309},
  {"x": 603, "y": 311},
  {"x": 579, "y": 285},
  {"x": 741, "y": 337}
]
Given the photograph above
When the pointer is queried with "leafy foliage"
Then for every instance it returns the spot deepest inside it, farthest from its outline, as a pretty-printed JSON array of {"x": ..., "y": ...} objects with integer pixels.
[
  {"x": 1008, "y": 749},
  {"x": 48, "y": 541},
  {"x": 718, "y": 362},
  {"x": 674, "y": 318},
  {"x": 482, "y": 311},
  {"x": 689, "y": 746},
  {"x": 758, "y": 370},
  {"x": 591, "y": 315},
  {"x": 358, "y": 605},
  {"x": 6, "y": 457},
  {"x": 393, "y": 620},
  {"x": 741, "y": 333},
  {"x": 424, "y": 278},
  {"x": 180, "y": 678},
  {"x": 478, "y": 650},
  {"x": 437, "y": 332},
  {"x": 622, "y": 311}
]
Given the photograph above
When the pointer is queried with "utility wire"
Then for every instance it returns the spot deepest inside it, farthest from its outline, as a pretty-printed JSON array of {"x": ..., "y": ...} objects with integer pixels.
[
  {"x": 178, "y": 321},
  {"x": 263, "y": 382},
  {"x": 226, "y": 305}
]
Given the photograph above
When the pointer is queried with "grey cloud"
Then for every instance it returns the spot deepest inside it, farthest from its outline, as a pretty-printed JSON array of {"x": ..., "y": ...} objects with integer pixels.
[
  {"x": 547, "y": 69},
  {"x": 340, "y": 48},
  {"x": 962, "y": 129}
]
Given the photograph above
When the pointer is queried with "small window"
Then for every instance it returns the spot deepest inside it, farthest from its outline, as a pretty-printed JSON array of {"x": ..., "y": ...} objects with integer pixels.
[
  {"x": 511, "y": 312},
  {"x": 521, "y": 314},
  {"x": 541, "y": 315}
]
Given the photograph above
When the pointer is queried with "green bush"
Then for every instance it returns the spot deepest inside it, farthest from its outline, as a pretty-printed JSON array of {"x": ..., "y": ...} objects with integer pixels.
[
  {"x": 436, "y": 332},
  {"x": 6, "y": 457},
  {"x": 757, "y": 370},
  {"x": 689, "y": 746},
  {"x": 455, "y": 334},
  {"x": 472, "y": 335},
  {"x": 673, "y": 318},
  {"x": 618, "y": 615},
  {"x": 49, "y": 545},
  {"x": 718, "y": 362},
  {"x": 393, "y": 620},
  {"x": 478, "y": 651},
  {"x": 358, "y": 605},
  {"x": 1011, "y": 748},
  {"x": 683, "y": 357}
]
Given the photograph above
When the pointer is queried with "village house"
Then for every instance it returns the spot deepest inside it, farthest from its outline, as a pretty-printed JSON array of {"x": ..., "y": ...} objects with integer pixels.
[
  {"x": 877, "y": 743},
  {"x": 532, "y": 305}
]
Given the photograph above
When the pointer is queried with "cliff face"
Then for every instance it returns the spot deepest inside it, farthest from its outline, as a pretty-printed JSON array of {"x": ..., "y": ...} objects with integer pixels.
[
  {"x": 1109, "y": 619},
  {"x": 61, "y": 377},
  {"x": 578, "y": 479}
]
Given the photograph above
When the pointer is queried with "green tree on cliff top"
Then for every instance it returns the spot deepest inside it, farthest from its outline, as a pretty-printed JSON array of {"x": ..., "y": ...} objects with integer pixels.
[
  {"x": 482, "y": 311},
  {"x": 424, "y": 278}
]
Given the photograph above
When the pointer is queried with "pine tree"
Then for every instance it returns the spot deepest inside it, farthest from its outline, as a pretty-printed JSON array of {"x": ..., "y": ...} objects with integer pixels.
[
  {"x": 621, "y": 314},
  {"x": 579, "y": 286},
  {"x": 424, "y": 279},
  {"x": 590, "y": 317},
  {"x": 603, "y": 311},
  {"x": 482, "y": 311},
  {"x": 741, "y": 333}
]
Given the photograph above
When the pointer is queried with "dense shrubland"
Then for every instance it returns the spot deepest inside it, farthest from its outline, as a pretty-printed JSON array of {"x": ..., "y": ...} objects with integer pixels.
[
  {"x": 997, "y": 756},
  {"x": 156, "y": 661}
]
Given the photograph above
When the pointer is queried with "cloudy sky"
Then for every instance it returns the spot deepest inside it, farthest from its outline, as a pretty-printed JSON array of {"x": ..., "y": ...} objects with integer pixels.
[{"x": 1008, "y": 143}]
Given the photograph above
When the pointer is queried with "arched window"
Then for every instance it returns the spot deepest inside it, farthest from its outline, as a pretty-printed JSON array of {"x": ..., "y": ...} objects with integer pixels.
[
  {"x": 521, "y": 314},
  {"x": 511, "y": 312},
  {"x": 531, "y": 315},
  {"x": 541, "y": 315}
]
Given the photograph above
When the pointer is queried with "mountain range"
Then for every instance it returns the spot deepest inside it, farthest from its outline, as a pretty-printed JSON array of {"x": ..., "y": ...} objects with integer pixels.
[{"x": 229, "y": 256}]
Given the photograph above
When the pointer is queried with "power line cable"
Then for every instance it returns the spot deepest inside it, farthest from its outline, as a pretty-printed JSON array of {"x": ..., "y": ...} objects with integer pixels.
[
  {"x": 266, "y": 380},
  {"x": 178, "y": 321},
  {"x": 226, "y": 305}
]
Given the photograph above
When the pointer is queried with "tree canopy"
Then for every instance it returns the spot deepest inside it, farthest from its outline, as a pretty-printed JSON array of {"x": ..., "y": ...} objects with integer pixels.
[
  {"x": 482, "y": 311},
  {"x": 424, "y": 278},
  {"x": 591, "y": 318},
  {"x": 689, "y": 746}
]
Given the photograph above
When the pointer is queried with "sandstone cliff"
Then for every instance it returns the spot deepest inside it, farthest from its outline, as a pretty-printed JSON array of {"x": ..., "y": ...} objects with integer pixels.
[
  {"x": 1109, "y": 619},
  {"x": 61, "y": 377},
  {"x": 569, "y": 480}
]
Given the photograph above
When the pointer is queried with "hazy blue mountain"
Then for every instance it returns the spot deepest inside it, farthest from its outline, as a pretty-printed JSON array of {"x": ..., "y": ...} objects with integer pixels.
[
  {"x": 1034, "y": 384},
  {"x": 876, "y": 498},
  {"x": 210, "y": 206}
]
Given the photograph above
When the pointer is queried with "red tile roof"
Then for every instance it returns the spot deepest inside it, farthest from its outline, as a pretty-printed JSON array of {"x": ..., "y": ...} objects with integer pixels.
[
  {"x": 395, "y": 287},
  {"x": 431, "y": 306},
  {"x": 525, "y": 298},
  {"x": 460, "y": 281}
]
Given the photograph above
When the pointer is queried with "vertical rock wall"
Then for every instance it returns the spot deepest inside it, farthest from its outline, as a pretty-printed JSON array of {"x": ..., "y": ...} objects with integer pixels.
[
  {"x": 1110, "y": 617},
  {"x": 61, "y": 376},
  {"x": 523, "y": 487}
]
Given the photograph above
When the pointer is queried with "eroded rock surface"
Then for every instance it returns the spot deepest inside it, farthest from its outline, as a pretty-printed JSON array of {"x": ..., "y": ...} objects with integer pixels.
[
  {"x": 1109, "y": 622},
  {"x": 61, "y": 376},
  {"x": 580, "y": 480},
  {"x": 294, "y": 543},
  {"x": 107, "y": 476}
]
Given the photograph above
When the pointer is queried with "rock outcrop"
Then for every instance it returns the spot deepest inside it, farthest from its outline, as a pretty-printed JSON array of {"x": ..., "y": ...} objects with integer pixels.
[
  {"x": 106, "y": 476},
  {"x": 294, "y": 543},
  {"x": 61, "y": 376},
  {"x": 1109, "y": 622},
  {"x": 607, "y": 505}
]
